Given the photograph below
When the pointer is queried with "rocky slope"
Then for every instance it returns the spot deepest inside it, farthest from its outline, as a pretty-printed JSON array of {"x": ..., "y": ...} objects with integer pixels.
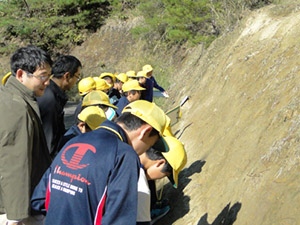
[{"x": 241, "y": 126}]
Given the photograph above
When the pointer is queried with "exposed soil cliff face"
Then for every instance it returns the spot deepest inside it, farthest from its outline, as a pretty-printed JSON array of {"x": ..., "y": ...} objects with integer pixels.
[{"x": 241, "y": 124}]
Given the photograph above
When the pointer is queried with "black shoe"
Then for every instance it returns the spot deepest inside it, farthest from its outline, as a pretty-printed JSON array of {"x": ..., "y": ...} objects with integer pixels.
[{"x": 158, "y": 213}]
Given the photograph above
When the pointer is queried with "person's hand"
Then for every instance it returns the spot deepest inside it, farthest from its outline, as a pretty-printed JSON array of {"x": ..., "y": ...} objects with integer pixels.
[
  {"x": 165, "y": 94},
  {"x": 13, "y": 222}
]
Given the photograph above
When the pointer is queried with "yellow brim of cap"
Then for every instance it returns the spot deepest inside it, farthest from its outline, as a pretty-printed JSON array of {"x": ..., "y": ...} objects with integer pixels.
[
  {"x": 110, "y": 105},
  {"x": 5, "y": 78}
]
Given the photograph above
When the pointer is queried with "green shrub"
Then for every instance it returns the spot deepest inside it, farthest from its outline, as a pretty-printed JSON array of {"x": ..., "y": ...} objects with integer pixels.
[
  {"x": 54, "y": 25},
  {"x": 188, "y": 21},
  {"x": 177, "y": 21}
]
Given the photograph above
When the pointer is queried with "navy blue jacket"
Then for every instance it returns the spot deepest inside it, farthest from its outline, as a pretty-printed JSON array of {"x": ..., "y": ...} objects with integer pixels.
[
  {"x": 70, "y": 133},
  {"x": 148, "y": 93},
  {"x": 92, "y": 181},
  {"x": 155, "y": 84},
  {"x": 149, "y": 85},
  {"x": 123, "y": 101}
]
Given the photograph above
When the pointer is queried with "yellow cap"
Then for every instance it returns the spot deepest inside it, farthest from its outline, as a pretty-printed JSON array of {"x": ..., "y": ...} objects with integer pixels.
[
  {"x": 93, "y": 116},
  {"x": 132, "y": 85},
  {"x": 168, "y": 130},
  {"x": 148, "y": 112},
  {"x": 5, "y": 78},
  {"x": 147, "y": 68},
  {"x": 111, "y": 75},
  {"x": 122, "y": 77},
  {"x": 141, "y": 74},
  {"x": 86, "y": 85},
  {"x": 101, "y": 84},
  {"x": 97, "y": 97},
  {"x": 131, "y": 73},
  {"x": 176, "y": 157}
]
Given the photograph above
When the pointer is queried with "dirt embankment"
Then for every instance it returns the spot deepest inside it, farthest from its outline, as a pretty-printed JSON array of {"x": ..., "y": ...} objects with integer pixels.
[{"x": 241, "y": 126}]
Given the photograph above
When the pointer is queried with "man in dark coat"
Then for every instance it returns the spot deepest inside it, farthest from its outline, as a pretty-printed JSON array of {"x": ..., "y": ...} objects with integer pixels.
[{"x": 66, "y": 72}]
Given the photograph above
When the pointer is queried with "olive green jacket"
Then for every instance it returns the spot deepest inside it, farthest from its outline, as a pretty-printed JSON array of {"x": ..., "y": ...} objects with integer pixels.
[{"x": 24, "y": 155}]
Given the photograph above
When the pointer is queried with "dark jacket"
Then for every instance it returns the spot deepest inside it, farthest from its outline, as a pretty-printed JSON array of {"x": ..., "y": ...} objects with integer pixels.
[
  {"x": 73, "y": 131},
  {"x": 149, "y": 85},
  {"x": 155, "y": 84},
  {"x": 114, "y": 96},
  {"x": 51, "y": 106},
  {"x": 77, "y": 111},
  {"x": 148, "y": 93},
  {"x": 24, "y": 156},
  {"x": 123, "y": 101},
  {"x": 92, "y": 180}
]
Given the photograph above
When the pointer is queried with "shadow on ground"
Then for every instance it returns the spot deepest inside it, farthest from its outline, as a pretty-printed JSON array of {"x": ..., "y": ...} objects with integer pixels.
[
  {"x": 178, "y": 133},
  {"x": 226, "y": 217},
  {"x": 178, "y": 201}
]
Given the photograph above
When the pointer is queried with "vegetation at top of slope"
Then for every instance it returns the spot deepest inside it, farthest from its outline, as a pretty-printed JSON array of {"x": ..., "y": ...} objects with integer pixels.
[
  {"x": 53, "y": 25},
  {"x": 58, "y": 25},
  {"x": 187, "y": 21}
]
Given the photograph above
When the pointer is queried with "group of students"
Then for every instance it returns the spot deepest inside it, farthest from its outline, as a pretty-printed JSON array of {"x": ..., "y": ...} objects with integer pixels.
[
  {"x": 121, "y": 88},
  {"x": 97, "y": 171}
]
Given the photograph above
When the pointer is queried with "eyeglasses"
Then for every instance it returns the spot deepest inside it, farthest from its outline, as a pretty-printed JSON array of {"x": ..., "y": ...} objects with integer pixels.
[
  {"x": 78, "y": 77},
  {"x": 42, "y": 78}
]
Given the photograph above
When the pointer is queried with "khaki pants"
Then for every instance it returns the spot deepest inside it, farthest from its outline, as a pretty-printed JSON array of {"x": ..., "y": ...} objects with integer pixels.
[{"x": 33, "y": 220}]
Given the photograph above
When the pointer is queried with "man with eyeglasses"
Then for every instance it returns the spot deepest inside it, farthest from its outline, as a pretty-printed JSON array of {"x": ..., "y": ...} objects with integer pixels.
[
  {"x": 24, "y": 156},
  {"x": 66, "y": 72}
]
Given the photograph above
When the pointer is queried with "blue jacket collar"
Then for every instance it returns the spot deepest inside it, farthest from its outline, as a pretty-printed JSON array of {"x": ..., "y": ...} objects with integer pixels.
[{"x": 116, "y": 128}]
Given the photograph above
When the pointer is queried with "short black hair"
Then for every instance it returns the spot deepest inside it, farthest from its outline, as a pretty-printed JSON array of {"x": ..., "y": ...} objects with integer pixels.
[
  {"x": 29, "y": 58},
  {"x": 154, "y": 154},
  {"x": 85, "y": 124},
  {"x": 133, "y": 122},
  {"x": 101, "y": 106},
  {"x": 119, "y": 81},
  {"x": 64, "y": 64},
  {"x": 108, "y": 78}
]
